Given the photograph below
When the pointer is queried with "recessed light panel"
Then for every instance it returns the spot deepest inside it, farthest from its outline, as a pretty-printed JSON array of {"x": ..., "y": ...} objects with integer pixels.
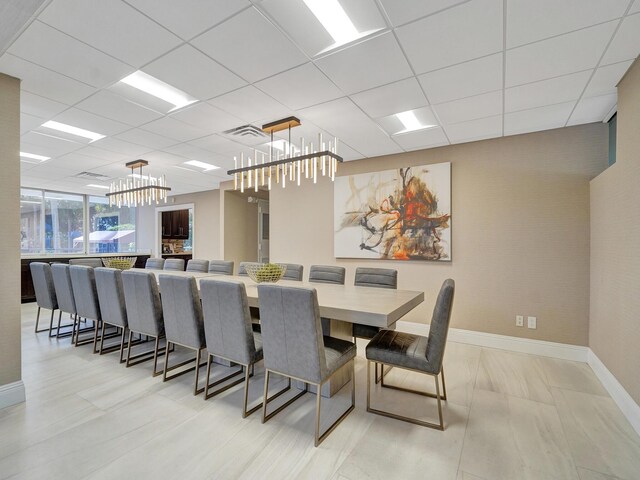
[
  {"x": 33, "y": 156},
  {"x": 79, "y": 132},
  {"x": 203, "y": 165},
  {"x": 409, "y": 121},
  {"x": 159, "y": 89},
  {"x": 102, "y": 187}
]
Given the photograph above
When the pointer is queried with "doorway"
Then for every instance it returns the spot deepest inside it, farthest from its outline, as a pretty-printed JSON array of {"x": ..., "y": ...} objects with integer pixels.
[{"x": 263, "y": 231}]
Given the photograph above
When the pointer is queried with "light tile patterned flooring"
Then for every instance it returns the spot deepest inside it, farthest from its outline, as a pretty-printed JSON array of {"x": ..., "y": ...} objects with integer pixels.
[{"x": 509, "y": 416}]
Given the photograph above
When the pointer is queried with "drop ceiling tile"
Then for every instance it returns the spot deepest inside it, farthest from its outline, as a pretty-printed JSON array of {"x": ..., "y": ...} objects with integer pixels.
[
  {"x": 635, "y": 8},
  {"x": 605, "y": 79},
  {"x": 112, "y": 27},
  {"x": 194, "y": 73},
  {"x": 61, "y": 53},
  {"x": 188, "y": 18},
  {"x": 29, "y": 122},
  {"x": 473, "y": 130},
  {"x": 213, "y": 143},
  {"x": 371, "y": 141},
  {"x": 172, "y": 128},
  {"x": 408, "y": 10},
  {"x": 470, "y": 108},
  {"x": 147, "y": 139},
  {"x": 103, "y": 155},
  {"x": 251, "y": 105},
  {"x": 25, "y": 146},
  {"x": 369, "y": 64},
  {"x": 531, "y": 21},
  {"x": 115, "y": 107},
  {"x": 546, "y": 92},
  {"x": 40, "y": 106},
  {"x": 76, "y": 162},
  {"x": 557, "y": 56},
  {"x": 433, "y": 137},
  {"x": 88, "y": 121},
  {"x": 536, "y": 119},
  {"x": 626, "y": 43},
  {"x": 392, "y": 98},
  {"x": 462, "y": 33},
  {"x": 50, "y": 146},
  {"x": 452, "y": 83},
  {"x": 44, "y": 82},
  {"x": 51, "y": 170},
  {"x": 250, "y": 46},
  {"x": 593, "y": 109},
  {"x": 192, "y": 152},
  {"x": 207, "y": 117},
  {"x": 300, "y": 87},
  {"x": 113, "y": 144}
]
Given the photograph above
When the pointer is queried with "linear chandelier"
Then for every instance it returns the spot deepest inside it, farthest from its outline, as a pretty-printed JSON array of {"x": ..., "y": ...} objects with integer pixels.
[
  {"x": 263, "y": 169},
  {"x": 138, "y": 189}
]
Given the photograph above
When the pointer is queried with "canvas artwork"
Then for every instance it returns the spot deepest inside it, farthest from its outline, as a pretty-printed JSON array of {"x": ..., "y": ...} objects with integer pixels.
[{"x": 402, "y": 214}]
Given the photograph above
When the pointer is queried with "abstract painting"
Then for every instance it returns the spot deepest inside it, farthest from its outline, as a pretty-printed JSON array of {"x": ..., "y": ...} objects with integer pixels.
[{"x": 402, "y": 214}]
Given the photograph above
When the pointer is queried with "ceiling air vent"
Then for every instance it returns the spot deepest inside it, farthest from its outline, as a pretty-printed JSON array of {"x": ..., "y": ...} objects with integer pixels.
[
  {"x": 92, "y": 176},
  {"x": 246, "y": 131}
]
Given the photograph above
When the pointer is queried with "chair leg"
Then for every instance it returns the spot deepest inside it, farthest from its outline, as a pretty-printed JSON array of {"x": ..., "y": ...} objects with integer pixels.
[
  {"x": 444, "y": 388},
  {"x": 51, "y": 325},
  {"x": 38, "y": 321},
  {"x": 166, "y": 363},
  {"x": 439, "y": 402},
  {"x": 264, "y": 396},
  {"x": 104, "y": 326},
  {"x": 129, "y": 349},
  {"x": 95, "y": 335},
  {"x": 206, "y": 383},
  {"x": 59, "y": 321},
  {"x": 155, "y": 354},
  {"x": 124, "y": 332},
  {"x": 196, "y": 391},
  {"x": 318, "y": 439}
]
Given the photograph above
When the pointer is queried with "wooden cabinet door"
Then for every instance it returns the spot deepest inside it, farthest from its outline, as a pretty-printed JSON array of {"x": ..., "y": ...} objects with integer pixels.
[
  {"x": 167, "y": 230},
  {"x": 183, "y": 223}
]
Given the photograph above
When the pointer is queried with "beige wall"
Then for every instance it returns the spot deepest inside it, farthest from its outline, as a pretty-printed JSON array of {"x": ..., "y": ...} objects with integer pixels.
[
  {"x": 10, "y": 354},
  {"x": 615, "y": 245},
  {"x": 520, "y": 220},
  {"x": 240, "y": 228}
]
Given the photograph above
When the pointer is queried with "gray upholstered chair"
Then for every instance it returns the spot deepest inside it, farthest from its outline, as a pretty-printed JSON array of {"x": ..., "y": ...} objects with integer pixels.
[
  {"x": 183, "y": 322},
  {"x": 416, "y": 353},
  {"x": 302, "y": 353},
  {"x": 294, "y": 271},
  {"x": 112, "y": 304},
  {"x": 45, "y": 293},
  {"x": 228, "y": 331},
  {"x": 377, "y": 278},
  {"x": 221, "y": 266},
  {"x": 327, "y": 274},
  {"x": 197, "y": 265},
  {"x": 176, "y": 264},
  {"x": 89, "y": 262},
  {"x": 64, "y": 293},
  {"x": 85, "y": 293},
  {"x": 144, "y": 314},
  {"x": 242, "y": 269},
  {"x": 154, "y": 263}
]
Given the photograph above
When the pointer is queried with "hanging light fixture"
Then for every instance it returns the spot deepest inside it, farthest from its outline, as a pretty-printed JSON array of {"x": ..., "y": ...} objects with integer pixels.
[
  {"x": 138, "y": 189},
  {"x": 264, "y": 169}
]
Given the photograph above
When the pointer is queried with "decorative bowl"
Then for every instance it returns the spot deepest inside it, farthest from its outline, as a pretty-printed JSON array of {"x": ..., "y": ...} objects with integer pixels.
[
  {"x": 121, "y": 263},
  {"x": 265, "y": 272}
]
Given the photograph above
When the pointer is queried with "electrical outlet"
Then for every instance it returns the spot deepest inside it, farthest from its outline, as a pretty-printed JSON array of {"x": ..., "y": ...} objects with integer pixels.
[
  {"x": 532, "y": 322},
  {"x": 519, "y": 320}
]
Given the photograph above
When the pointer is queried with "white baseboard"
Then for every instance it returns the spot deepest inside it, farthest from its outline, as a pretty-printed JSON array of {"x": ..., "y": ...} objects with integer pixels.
[
  {"x": 12, "y": 394},
  {"x": 629, "y": 407}
]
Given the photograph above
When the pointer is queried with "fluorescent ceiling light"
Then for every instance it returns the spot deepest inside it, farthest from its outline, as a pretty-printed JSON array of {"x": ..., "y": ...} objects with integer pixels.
[
  {"x": 144, "y": 177},
  {"x": 411, "y": 122},
  {"x": 33, "y": 156},
  {"x": 334, "y": 19},
  {"x": 30, "y": 201},
  {"x": 205, "y": 166},
  {"x": 93, "y": 185},
  {"x": 159, "y": 89},
  {"x": 80, "y": 132},
  {"x": 282, "y": 145}
]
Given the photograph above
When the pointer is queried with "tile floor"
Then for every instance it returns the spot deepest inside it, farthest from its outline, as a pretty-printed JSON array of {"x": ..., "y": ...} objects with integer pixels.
[{"x": 509, "y": 416}]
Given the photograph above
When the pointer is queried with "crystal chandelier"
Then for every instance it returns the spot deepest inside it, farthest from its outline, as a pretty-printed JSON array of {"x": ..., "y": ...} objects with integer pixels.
[
  {"x": 138, "y": 189},
  {"x": 263, "y": 169}
]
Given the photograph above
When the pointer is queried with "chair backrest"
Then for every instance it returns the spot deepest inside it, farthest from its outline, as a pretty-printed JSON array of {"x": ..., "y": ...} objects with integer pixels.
[
  {"x": 221, "y": 266},
  {"x": 83, "y": 281},
  {"x": 111, "y": 296},
  {"x": 183, "y": 323},
  {"x": 293, "y": 272},
  {"x": 63, "y": 287},
  {"x": 174, "y": 264},
  {"x": 291, "y": 332},
  {"x": 89, "y": 262},
  {"x": 142, "y": 299},
  {"x": 376, "y": 277},
  {"x": 439, "y": 327},
  {"x": 197, "y": 265},
  {"x": 154, "y": 263},
  {"x": 43, "y": 285},
  {"x": 242, "y": 269},
  {"x": 227, "y": 321},
  {"x": 327, "y": 274}
]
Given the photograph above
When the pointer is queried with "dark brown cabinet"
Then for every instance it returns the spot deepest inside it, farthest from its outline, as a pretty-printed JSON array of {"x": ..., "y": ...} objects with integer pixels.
[{"x": 175, "y": 224}]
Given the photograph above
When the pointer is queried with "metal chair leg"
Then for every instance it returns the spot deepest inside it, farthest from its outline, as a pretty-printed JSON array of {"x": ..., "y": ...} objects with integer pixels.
[
  {"x": 104, "y": 326},
  {"x": 206, "y": 383},
  {"x": 51, "y": 325},
  {"x": 444, "y": 388},
  {"x": 208, "y": 395},
  {"x": 38, "y": 321},
  {"x": 318, "y": 439},
  {"x": 196, "y": 391},
  {"x": 124, "y": 332}
]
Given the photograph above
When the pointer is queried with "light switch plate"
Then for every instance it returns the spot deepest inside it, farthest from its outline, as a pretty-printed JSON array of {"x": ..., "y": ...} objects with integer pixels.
[
  {"x": 519, "y": 320},
  {"x": 532, "y": 322}
]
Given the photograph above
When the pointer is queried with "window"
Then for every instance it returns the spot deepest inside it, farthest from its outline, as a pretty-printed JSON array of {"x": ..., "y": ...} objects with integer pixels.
[
  {"x": 30, "y": 221},
  {"x": 63, "y": 222},
  {"x": 111, "y": 229}
]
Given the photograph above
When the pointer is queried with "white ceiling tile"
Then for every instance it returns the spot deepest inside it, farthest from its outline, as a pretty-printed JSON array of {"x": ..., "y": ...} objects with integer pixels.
[
  {"x": 568, "y": 53},
  {"x": 452, "y": 83},
  {"x": 433, "y": 137},
  {"x": 40, "y": 106},
  {"x": 389, "y": 99},
  {"x": 605, "y": 79},
  {"x": 462, "y": 33},
  {"x": 546, "y": 92},
  {"x": 473, "y": 130},
  {"x": 89, "y": 121},
  {"x": 77, "y": 162},
  {"x": 61, "y": 53},
  {"x": 207, "y": 117},
  {"x": 371, "y": 141},
  {"x": 300, "y": 87},
  {"x": 249, "y": 45},
  {"x": 103, "y": 155},
  {"x": 172, "y": 128},
  {"x": 192, "y": 152},
  {"x": 113, "y": 144},
  {"x": 251, "y": 105},
  {"x": 531, "y": 21},
  {"x": 51, "y": 170},
  {"x": 593, "y": 109},
  {"x": 147, "y": 139},
  {"x": 29, "y": 122},
  {"x": 39, "y": 149},
  {"x": 112, "y": 27},
  {"x": 375, "y": 62},
  {"x": 408, "y": 10},
  {"x": 44, "y": 82},
  {"x": 50, "y": 146},
  {"x": 470, "y": 108},
  {"x": 187, "y": 18},
  {"x": 626, "y": 43},
  {"x": 115, "y": 107},
  {"x": 635, "y": 7},
  {"x": 213, "y": 143},
  {"x": 536, "y": 119},
  {"x": 194, "y": 73}
]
